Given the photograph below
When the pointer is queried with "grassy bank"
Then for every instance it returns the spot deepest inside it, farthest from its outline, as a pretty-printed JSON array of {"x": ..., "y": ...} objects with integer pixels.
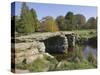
[
  {"x": 71, "y": 61},
  {"x": 86, "y": 33}
]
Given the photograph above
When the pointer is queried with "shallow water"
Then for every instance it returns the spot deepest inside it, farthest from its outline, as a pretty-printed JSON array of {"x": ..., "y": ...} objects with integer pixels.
[{"x": 87, "y": 49}]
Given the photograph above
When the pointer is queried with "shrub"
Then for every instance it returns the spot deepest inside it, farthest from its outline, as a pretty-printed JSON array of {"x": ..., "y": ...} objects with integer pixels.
[
  {"x": 22, "y": 66},
  {"x": 92, "y": 59},
  {"x": 52, "y": 62},
  {"x": 39, "y": 65}
]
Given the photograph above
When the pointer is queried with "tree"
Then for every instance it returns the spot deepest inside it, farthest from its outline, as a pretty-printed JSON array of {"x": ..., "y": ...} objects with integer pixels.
[
  {"x": 79, "y": 21},
  {"x": 36, "y": 22},
  {"x": 28, "y": 20},
  {"x": 18, "y": 25},
  {"x": 96, "y": 22},
  {"x": 68, "y": 23},
  {"x": 69, "y": 16},
  {"x": 91, "y": 23},
  {"x": 60, "y": 22},
  {"x": 48, "y": 24}
]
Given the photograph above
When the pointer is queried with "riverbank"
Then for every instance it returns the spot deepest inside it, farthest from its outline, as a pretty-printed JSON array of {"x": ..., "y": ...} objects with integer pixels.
[{"x": 35, "y": 52}]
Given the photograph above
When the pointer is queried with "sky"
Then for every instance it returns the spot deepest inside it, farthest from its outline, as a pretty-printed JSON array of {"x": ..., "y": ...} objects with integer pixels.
[{"x": 55, "y": 10}]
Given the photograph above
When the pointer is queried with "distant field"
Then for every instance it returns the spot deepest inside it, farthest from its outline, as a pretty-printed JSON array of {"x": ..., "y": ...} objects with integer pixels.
[{"x": 86, "y": 33}]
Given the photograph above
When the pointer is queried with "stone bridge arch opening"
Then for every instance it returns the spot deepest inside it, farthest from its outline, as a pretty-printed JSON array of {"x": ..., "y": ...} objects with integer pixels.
[
  {"x": 59, "y": 44},
  {"x": 56, "y": 44}
]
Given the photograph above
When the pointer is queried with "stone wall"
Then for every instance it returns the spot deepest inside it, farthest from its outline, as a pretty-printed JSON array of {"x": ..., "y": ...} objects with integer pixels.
[{"x": 28, "y": 52}]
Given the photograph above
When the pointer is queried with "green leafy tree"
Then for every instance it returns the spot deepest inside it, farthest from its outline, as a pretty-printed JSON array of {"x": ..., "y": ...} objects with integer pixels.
[
  {"x": 91, "y": 23},
  {"x": 79, "y": 21},
  {"x": 60, "y": 22},
  {"x": 69, "y": 23},
  {"x": 28, "y": 20},
  {"x": 69, "y": 16},
  {"x": 96, "y": 22},
  {"x": 36, "y": 22}
]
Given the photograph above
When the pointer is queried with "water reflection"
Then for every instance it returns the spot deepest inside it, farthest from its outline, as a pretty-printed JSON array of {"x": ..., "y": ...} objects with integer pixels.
[
  {"x": 78, "y": 50},
  {"x": 87, "y": 49}
]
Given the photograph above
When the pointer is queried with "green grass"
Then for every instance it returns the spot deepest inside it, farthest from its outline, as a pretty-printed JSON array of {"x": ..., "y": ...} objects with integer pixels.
[
  {"x": 43, "y": 65},
  {"x": 22, "y": 66},
  {"x": 65, "y": 65},
  {"x": 38, "y": 65},
  {"x": 92, "y": 59},
  {"x": 86, "y": 33}
]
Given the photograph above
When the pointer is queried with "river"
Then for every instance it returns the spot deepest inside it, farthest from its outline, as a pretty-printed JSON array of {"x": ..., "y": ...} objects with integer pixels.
[
  {"x": 88, "y": 49},
  {"x": 85, "y": 51}
]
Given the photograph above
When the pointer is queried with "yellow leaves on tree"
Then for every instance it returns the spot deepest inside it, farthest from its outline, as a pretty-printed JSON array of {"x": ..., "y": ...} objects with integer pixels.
[{"x": 48, "y": 24}]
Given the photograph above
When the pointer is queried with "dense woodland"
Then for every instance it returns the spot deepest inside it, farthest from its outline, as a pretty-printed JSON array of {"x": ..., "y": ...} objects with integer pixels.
[{"x": 29, "y": 23}]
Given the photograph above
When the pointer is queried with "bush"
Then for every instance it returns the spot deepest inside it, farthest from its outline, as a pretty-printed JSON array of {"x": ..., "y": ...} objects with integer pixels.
[
  {"x": 39, "y": 65},
  {"x": 22, "y": 66},
  {"x": 53, "y": 63},
  {"x": 92, "y": 59}
]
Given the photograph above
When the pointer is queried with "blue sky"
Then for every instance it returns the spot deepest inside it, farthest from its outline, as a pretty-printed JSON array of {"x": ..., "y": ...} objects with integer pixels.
[{"x": 55, "y": 10}]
